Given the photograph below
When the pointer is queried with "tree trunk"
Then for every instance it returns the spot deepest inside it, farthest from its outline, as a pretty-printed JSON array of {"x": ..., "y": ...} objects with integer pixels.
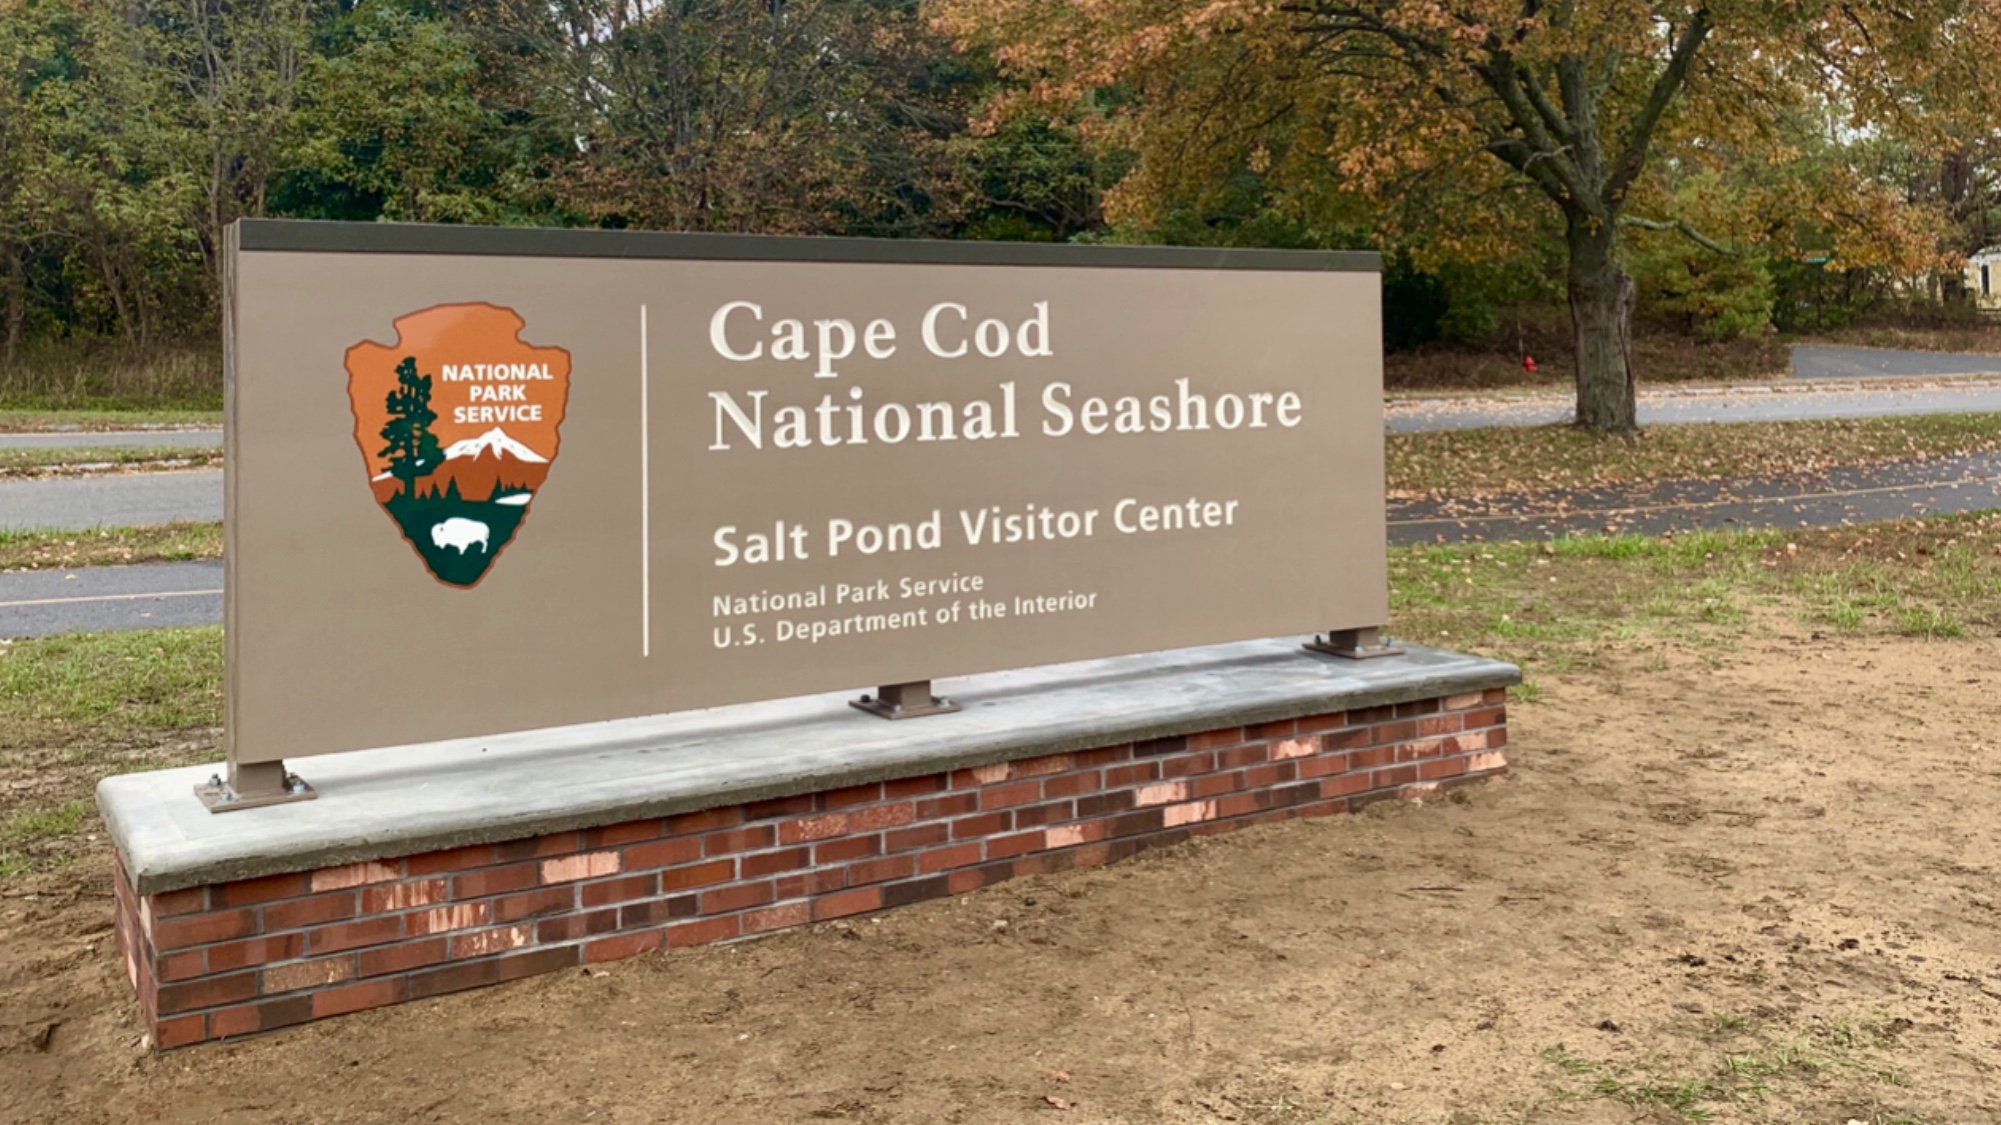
[
  {"x": 1601, "y": 313},
  {"x": 17, "y": 306}
]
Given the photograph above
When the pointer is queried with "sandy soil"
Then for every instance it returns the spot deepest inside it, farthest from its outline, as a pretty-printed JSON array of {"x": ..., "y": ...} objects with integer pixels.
[{"x": 1757, "y": 883}]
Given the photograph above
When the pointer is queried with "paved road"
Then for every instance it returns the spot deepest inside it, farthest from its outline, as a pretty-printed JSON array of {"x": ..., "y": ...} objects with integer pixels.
[
  {"x": 38, "y": 603},
  {"x": 112, "y": 500},
  {"x": 1815, "y": 361},
  {"x": 85, "y": 439}
]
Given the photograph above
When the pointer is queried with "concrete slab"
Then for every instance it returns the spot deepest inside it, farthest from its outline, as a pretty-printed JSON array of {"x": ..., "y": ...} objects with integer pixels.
[{"x": 405, "y": 800}]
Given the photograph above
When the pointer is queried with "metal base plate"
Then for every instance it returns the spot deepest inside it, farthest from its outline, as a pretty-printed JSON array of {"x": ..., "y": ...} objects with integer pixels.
[
  {"x": 1335, "y": 646},
  {"x": 939, "y": 706},
  {"x": 217, "y": 796}
]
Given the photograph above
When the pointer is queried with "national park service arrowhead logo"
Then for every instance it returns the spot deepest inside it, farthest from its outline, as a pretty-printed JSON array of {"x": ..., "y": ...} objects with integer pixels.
[{"x": 457, "y": 421}]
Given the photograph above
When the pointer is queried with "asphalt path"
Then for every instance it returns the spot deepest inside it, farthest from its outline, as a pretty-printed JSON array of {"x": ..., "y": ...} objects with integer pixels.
[
  {"x": 1817, "y": 361},
  {"x": 1678, "y": 407},
  {"x": 111, "y": 500},
  {"x": 38, "y": 603},
  {"x": 120, "y": 439}
]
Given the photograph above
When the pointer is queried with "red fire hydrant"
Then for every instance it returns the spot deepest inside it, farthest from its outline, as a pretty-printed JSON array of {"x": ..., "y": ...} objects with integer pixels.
[{"x": 1528, "y": 364}]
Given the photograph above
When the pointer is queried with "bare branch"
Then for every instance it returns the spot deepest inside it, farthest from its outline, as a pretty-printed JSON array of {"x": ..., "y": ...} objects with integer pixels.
[{"x": 1681, "y": 227}]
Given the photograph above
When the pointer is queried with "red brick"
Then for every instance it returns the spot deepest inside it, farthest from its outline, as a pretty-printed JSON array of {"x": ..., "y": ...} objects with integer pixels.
[
  {"x": 450, "y": 978},
  {"x": 1104, "y": 804},
  {"x": 570, "y": 927},
  {"x": 1497, "y": 738},
  {"x": 1037, "y": 767},
  {"x": 707, "y": 820},
  {"x": 1071, "y": 784},
  {"x": 1034, "y": 815},
  {"x": 208, "y": 992},
  {"x": 878, "y": 817},
  {"x": 539, "y": 961},
  {"x": 619, "y": 835},
  {"x": 444, "y": 863},
  {"x": 250, "y": 892},
  {"x": 1391, "y": 778},
  {"x": 266, "y": 1016},
  {"x": 495, "y": 880},
  {"x": 1243, "y": 756},
  {"x": 620, "y": 947},
  {"x": 699, "y": 875},
  {"x": 986, "y": 824},
  {"x": 753, "y": 838},
  {"x": 843, "y": 903},
  {"x": 355, "y": 998},
  {"x": 1384, "y": 733},
  {"x": 444, "y": 919},
  {"x": 353, "y": 935},
  {"x": 1346, "y": 785},
  {"x": 1494, "y": 695},
  {"x": 188, "y": 900},
  {"x": 727, "y": 900},
  {"x": 1012, "y": 793},
  {"x": 355, "y": 875},
  {"x": 1160, "y": 747},
  {"x": 1101, "y": 756},
  {"x": 813, "y": 828},
  {"x": 958, "y": 855},
  {"x": 1323, "y": 766},
  {"x": 845, "y": 849},
  {"x": 779, "y": 807},
  {"x": 585, "y": 865},
  {"x": 1266, "y": 732},
  {"x": 317, "y": 910},
  {"x": 1187, "y": 765},
  {"x": 1417, "y": 708},
  {"x": 991, "y": 774},
  {"x": 181, "y": 966},
  {"x": 1434, "y": 726},
  {"x": 179, "y": 1032},
  {"x": 918, "y": 836},
  {"x": 539, "y": 847},
  {"x": 1373, "y": 757},
  {"x": 1352, "y": 738},
  {"x": 1091, "y": 855},
  {"x": 811, "y": 883},
  {"x": 916, "y": 890},
  {"x": 914, "y": 786},
  {"x": 779, "y": 917},
  {"x": 552, "y": 900},
  {"x": 879, "y": 870},
  {"x": 1001, "y": 847},
  {"x": 664, "y": 853},
  {"x": 770, "y": 863},
  {"x": 1216, "y": 739},
  {"x": 401, "y": 958},
  {"x": 608, "y": 891},
  {"x": 1441, "y": 768},
  {"x": 703, "y": 932},
  {"x": 1264, "y": 777},
  {"x": 852, "y": 795},
  {"x": 1118, "y": 777},
  {"x": 486, "y": 943},
  {"x": 307, "y": 974},
  {"x": 1072, "y": 835},
  {"x": 653, "y": 912},
  {"x": 949, "y": 805},
  {"x": 202, "y": 929},
  {"x": 1314, "y": 724},
  {"x": 1215, "y": 784},
  {"x": 255, "y": 951},
  {"x": 391, "y": 897}
]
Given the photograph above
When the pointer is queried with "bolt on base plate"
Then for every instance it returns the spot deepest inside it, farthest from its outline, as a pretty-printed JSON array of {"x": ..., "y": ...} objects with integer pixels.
[
  {"x": 1354, "y": 644},
  {"x": 218, "y": 795},
  {"x": 904, "y": 701}
]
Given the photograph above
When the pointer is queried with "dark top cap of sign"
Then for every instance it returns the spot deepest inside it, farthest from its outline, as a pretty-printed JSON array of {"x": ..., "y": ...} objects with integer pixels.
[{"x": 530, "y": 242}]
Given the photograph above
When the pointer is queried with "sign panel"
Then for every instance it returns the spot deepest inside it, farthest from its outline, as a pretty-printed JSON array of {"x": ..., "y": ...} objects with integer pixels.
[{"x": 492, "y": 480}]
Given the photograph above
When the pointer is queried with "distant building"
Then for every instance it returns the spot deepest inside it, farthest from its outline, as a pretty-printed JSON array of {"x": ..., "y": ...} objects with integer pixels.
[{"x": 1983, "y": 279}]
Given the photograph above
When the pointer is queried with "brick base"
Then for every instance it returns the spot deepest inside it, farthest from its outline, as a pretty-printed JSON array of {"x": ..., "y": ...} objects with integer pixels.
[{"x": 236, "y": 958}]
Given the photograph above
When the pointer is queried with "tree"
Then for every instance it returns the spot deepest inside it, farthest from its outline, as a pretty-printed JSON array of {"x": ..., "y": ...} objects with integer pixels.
[
  {"x": 1578, "y": 102},
  {"x": 413, "y": 450}
]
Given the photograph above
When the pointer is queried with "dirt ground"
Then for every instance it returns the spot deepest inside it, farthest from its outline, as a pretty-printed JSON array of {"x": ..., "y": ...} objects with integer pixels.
[{"x": 1750, "y": 884}]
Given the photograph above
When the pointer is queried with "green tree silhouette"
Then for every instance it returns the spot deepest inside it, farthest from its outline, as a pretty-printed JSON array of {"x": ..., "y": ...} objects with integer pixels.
[{"x": 413, "y": 450}]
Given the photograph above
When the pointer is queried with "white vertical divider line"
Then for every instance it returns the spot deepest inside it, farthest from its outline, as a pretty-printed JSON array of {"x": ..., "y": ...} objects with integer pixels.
[{"x": 645, "y": 505}]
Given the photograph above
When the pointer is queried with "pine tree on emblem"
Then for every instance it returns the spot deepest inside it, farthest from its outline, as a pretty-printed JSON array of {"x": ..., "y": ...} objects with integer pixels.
[{"x": 413, "y": 450}]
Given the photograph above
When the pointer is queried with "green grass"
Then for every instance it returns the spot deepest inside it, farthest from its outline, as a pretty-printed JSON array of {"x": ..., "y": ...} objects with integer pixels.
[
  {"x": 1475, "y": 462},
  {"x": 106, "y": 375},
  {"x": 43, "y": 462},
  {"x": 17, "y": 418},
  {"x": 101, "y": 688},
  {"x": 109, "y": 546}
]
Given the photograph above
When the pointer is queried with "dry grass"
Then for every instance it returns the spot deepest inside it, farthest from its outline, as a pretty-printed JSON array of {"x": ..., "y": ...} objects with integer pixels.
[
  {"x": 109, "y": 546},
  {"x": 64, "y": 462},
  {"x": 102, "y": 375},
  {"x": 1477, "y": 462}
]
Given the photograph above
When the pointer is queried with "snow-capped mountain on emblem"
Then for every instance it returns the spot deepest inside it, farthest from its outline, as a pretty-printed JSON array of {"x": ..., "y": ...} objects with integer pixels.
[{"x": 458, "y": 427}]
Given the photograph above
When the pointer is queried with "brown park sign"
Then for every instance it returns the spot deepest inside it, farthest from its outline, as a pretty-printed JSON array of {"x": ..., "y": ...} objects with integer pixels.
[{"x": 762, "y": 467}]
